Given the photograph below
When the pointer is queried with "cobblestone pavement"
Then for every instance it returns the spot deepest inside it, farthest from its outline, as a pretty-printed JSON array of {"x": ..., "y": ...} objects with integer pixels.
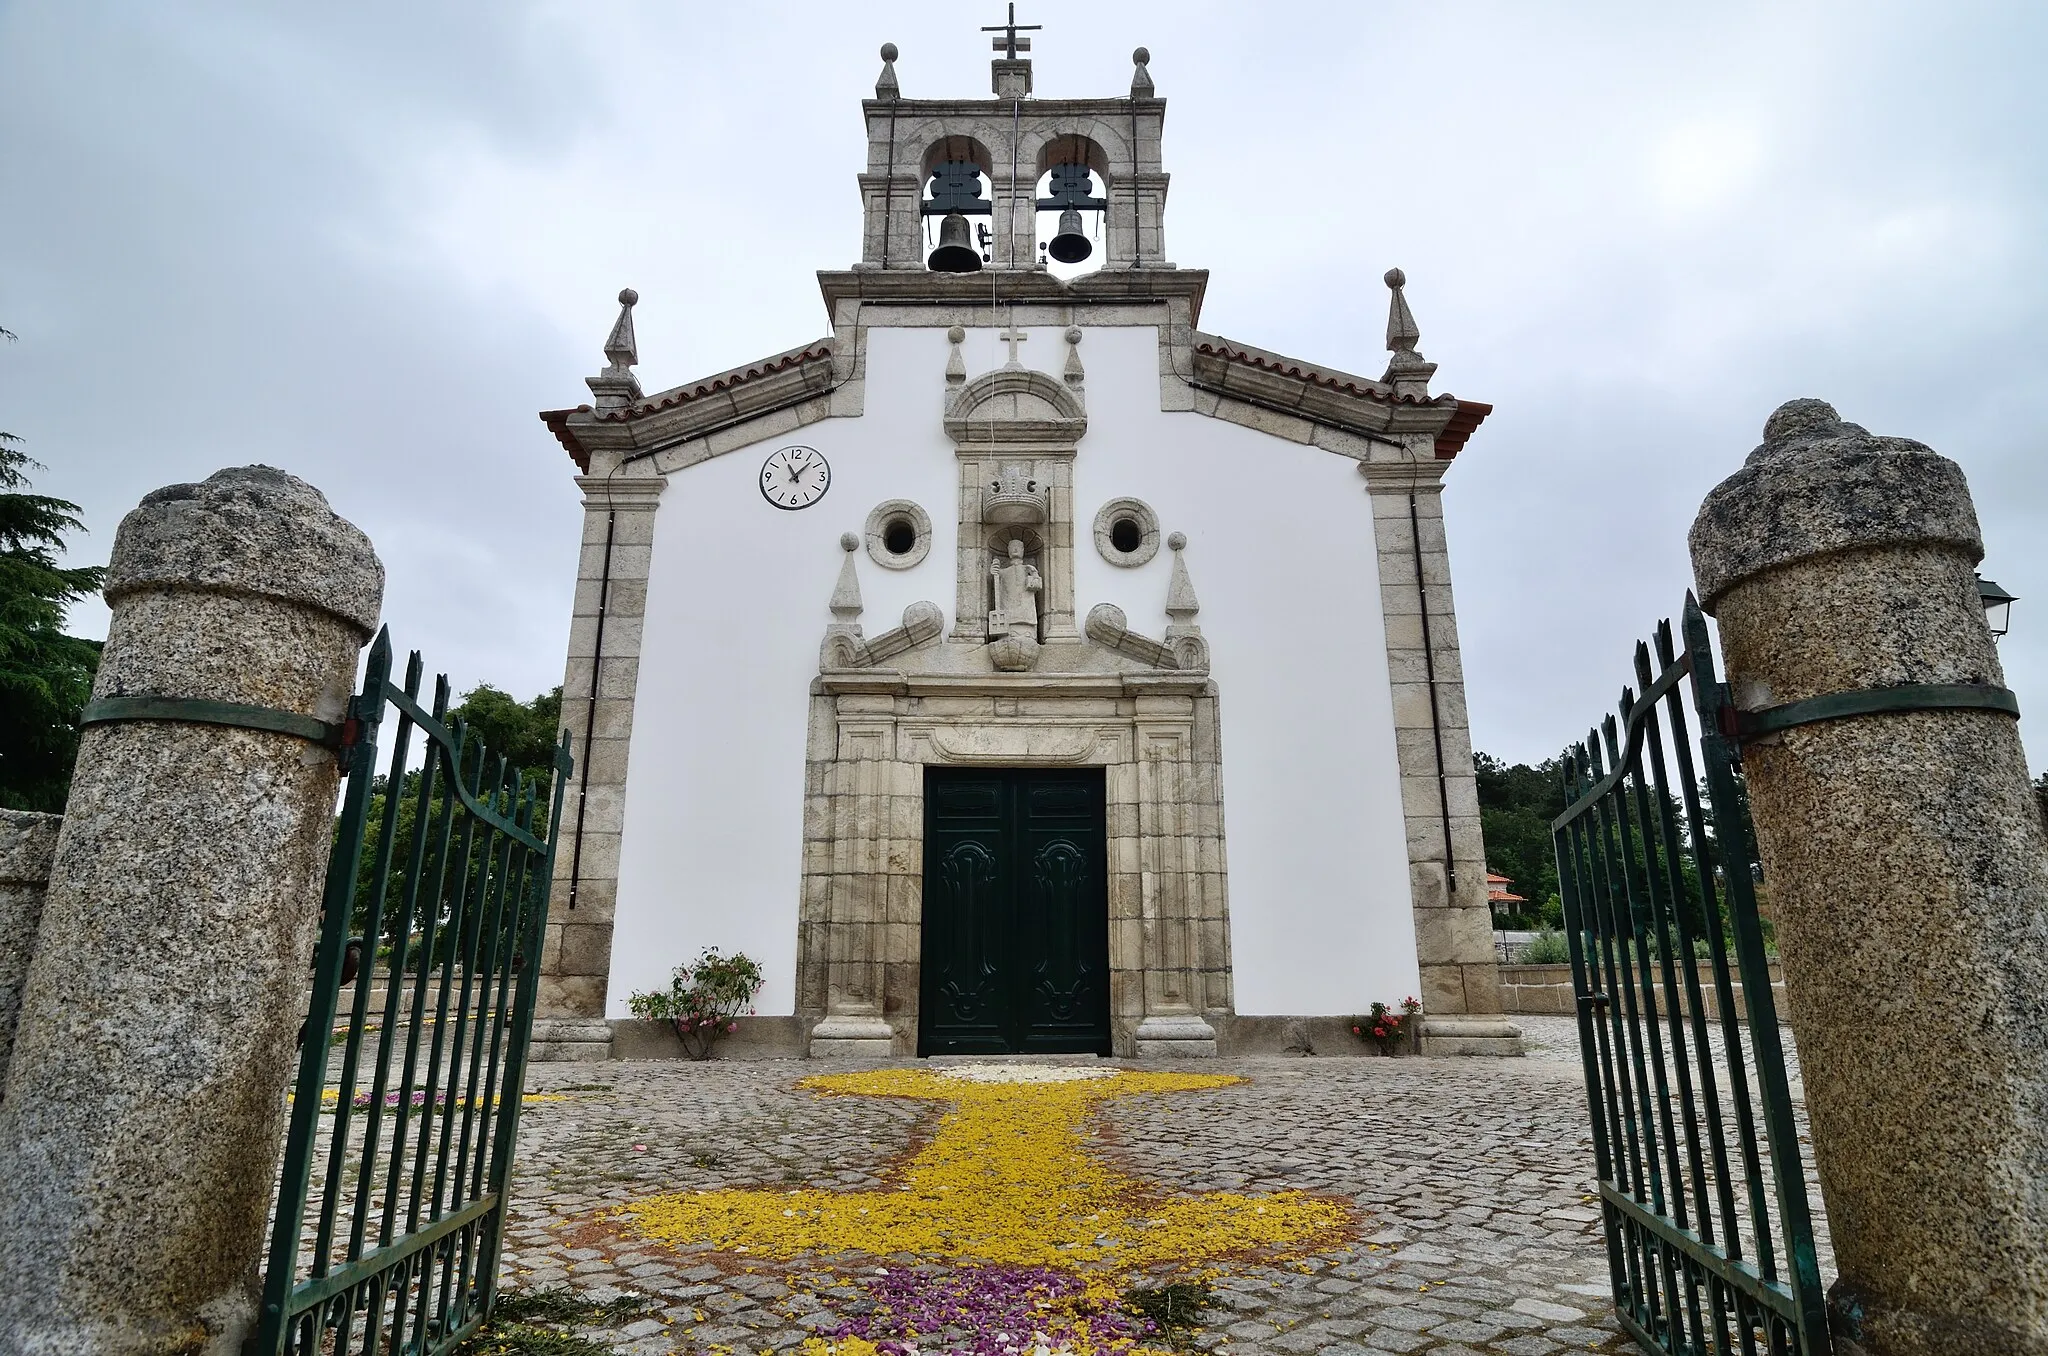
[{"x": 1474, "y": 1178}]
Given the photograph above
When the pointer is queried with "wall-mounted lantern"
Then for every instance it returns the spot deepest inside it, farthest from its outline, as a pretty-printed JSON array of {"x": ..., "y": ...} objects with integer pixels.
[{"x": 1997, "y": 606}]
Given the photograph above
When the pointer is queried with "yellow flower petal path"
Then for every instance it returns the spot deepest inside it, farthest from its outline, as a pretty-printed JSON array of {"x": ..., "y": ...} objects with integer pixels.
[{"x": 1006, "y": 1179}]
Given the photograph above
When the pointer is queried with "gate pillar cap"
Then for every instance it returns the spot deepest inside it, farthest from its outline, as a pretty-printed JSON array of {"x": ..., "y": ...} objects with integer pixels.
[
  {"x": 1819, "y": 485},
  {"x": 249, "y": 530}
]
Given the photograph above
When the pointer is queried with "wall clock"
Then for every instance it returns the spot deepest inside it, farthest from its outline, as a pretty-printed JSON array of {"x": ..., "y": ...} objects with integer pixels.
[{"x": 795, "y": 477}]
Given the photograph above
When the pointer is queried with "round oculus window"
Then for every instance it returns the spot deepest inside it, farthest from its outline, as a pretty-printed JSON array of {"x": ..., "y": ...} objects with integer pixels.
[
  {"x": 1127, "y": 532},
  {"x": 899, "y": 534}
]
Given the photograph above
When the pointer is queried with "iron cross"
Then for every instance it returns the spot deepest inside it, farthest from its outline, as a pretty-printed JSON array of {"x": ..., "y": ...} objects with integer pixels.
[{"x": 1009, "y": 44}]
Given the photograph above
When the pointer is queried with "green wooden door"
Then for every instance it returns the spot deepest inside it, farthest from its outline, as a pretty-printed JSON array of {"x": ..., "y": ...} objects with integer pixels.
[{"x": 1016, "y": 912}]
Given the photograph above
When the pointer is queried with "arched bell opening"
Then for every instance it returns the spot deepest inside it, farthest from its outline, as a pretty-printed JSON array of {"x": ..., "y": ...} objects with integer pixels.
[
  {"x": 958, "y": 205},
  {"x": 1073, "y": 204}
]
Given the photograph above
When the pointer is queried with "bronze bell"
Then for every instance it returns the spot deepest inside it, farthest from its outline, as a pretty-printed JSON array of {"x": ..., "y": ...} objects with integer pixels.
[
  {"x": 1069, "y": 246},
  {"x": 955, "y": 254}
]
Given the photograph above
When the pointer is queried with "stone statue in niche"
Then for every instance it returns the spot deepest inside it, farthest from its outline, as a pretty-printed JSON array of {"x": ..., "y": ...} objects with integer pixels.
[
  {"x": 1013, "y": 625},
  {"x": 1017, "y": 588}
]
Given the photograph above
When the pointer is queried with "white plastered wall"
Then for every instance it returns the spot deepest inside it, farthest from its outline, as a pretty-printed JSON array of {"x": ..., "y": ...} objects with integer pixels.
[{"x": 1281, "y": 554}]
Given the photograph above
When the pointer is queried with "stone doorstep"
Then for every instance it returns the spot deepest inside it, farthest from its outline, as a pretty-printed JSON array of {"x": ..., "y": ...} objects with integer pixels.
[{"x": 1471, "y": 1035}]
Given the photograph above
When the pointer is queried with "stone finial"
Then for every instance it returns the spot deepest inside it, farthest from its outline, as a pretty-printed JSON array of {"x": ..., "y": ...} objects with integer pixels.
[
  {"x": 247, "y": 531},
  {"x": 1819, "y": 485},
  {"x": 621, "y": 349},
  {"x": 616, "y": 386},
  {"x": 1010, "y": 79},
  {"x": 956, "y": 364},
  {"x": 1075, "y": 374},
  {"x": 846, "y": 604},
  {"x": 1141, "y": 79},
  {"x": 886, "y": 87},
  {"x": 1407, "y": 372},
  {"x": 1181, "y": 604}
]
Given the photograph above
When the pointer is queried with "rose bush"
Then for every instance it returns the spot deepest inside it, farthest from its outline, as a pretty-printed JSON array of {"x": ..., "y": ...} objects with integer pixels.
[
  {"x": 703, "y": 998},
  {"x": 1387, "y": 1029}
]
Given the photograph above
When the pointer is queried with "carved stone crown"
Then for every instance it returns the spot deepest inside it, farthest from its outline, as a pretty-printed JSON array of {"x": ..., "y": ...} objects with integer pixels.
[{"x": 1014, "y": 497}]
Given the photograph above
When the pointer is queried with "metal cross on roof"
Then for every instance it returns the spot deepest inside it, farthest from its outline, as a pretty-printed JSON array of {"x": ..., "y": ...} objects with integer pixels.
[{"x": 1009, "y": 44}]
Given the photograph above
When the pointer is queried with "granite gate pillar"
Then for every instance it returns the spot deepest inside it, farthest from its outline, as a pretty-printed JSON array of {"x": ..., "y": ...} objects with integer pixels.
[
  {"x": 1909, "y": 876},
  {"x": 144, "y": 1111}
]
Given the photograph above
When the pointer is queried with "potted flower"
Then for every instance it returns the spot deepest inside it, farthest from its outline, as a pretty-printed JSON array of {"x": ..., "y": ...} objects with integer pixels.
[
  {"x": 1387, "y": 1030},
  {"x": 703, "y": 999}
]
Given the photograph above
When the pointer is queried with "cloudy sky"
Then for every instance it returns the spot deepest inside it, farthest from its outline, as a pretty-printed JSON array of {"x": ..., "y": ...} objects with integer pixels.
[{"x": 366, "y": 242}]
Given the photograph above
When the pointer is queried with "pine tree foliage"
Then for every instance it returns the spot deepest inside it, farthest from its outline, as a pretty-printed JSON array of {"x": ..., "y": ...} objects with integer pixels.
[
  {"x": 45, "y": 675},
  {"x": 1516, "y": 804}
]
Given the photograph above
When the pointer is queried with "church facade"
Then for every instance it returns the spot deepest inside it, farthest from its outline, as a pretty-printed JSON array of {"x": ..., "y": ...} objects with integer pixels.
[{"x": 1019, "y": 667}]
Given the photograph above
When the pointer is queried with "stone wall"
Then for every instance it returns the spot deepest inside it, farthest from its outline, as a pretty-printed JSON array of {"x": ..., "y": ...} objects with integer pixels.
[
  {"x": 1547, "y": 989},
  {"x": 28, "y": 843}
]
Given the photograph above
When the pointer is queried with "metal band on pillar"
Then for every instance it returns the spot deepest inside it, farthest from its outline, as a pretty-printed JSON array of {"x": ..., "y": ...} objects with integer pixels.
[
  {"x": 1744, "y": 726},
  {"x": 198, "y": 711}
]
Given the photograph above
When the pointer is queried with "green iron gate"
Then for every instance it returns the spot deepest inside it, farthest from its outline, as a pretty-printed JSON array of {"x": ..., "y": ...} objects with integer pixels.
[
  {"x": 391, "y": 1202},
  {"x": 1709, "y": 1236}
]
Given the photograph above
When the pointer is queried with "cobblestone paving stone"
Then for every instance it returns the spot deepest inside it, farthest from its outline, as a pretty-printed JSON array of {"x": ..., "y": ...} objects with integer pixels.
[{"x": 1474, "y": 1178}]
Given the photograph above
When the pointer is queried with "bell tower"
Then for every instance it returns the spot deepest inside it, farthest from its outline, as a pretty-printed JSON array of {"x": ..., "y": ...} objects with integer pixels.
[{"x": 952, "y": 184}]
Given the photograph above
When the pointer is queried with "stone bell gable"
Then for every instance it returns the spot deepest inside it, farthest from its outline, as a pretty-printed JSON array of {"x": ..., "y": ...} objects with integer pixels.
[{"x": 1040, "y": 651}]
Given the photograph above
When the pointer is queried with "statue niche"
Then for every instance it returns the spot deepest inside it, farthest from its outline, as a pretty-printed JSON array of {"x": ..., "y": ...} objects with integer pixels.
[
  {"x": 1013, "y": 620},
  {"x": 1014, "y": 432}
]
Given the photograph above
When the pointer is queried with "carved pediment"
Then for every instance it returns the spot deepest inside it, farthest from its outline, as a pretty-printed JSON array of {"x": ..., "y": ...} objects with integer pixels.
[
  {"x": 1107, "y": 627},
  {"x": 844, "y": 649},
  {"x": 1014, "y": 404}
]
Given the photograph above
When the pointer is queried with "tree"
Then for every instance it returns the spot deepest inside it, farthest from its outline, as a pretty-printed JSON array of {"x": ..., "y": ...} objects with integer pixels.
[
  {"x": 525, "y": 732},
  {"x": 1516, "y": 805},
  {"x": 45, "y": 675}
]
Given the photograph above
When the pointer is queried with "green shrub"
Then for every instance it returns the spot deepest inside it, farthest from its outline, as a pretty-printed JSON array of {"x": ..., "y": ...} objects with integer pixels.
[{"x": 703, "y": 998}]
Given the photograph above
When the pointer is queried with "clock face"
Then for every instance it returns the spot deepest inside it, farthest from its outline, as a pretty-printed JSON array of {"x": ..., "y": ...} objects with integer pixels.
[{"x": 795, "y": 477}]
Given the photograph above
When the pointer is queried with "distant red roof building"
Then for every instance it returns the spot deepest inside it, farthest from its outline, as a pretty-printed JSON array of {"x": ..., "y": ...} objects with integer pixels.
[{"x": 1497, "y": 891}]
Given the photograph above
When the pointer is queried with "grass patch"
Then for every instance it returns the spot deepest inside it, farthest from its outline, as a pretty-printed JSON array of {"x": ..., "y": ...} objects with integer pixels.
[
  {"x": 538, "y": 1323},
  {"x": 583, "y": 1087},
  {"x": 1175, "y": 1309}
]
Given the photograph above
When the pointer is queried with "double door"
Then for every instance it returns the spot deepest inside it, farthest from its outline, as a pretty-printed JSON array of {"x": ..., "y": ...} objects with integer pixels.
[{"x": 1015, "y": 950}]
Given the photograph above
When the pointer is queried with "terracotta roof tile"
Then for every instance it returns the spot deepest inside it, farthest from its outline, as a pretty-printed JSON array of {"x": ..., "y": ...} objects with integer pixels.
[
  {"x": 1469, "y": 416},
  {"x": 683, "y": 395},
  {"x": 558, "y": 424},
  {"x": 1448, "y": 443},
  {"x": 1286, "y": 368}
]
